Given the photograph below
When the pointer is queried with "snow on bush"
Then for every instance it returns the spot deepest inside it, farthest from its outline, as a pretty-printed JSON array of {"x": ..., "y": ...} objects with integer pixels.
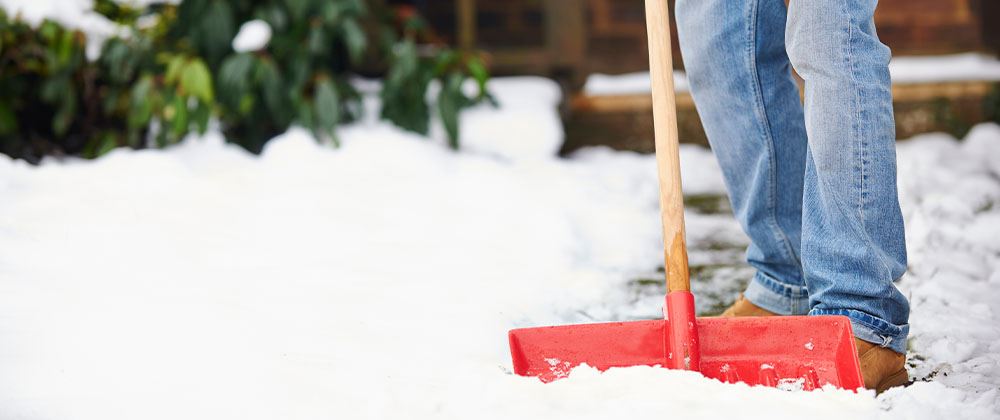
[
  {"x": 253, "y": 35},
  {"x": 73, "y": 14}
]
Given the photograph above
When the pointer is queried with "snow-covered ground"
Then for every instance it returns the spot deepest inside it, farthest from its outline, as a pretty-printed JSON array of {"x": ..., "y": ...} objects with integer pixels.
[
  {"x": 903, "y": 70},
  {"x": 379, "y": 280}
]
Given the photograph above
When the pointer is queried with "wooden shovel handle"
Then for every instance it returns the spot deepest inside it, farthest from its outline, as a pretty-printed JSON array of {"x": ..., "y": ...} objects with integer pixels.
[{"x": 661, "y": 71}]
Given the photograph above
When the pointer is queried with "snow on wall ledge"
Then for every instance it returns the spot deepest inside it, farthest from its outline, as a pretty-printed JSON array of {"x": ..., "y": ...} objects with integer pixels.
[
  {"x": 378, "y": 280},
  {"x": 929, "y": 69}
]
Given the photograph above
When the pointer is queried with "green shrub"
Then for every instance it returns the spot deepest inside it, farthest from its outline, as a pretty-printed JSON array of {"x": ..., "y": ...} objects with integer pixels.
[
  {"x": 991, "y": 104},
  {"x": 165, "y": 80}
]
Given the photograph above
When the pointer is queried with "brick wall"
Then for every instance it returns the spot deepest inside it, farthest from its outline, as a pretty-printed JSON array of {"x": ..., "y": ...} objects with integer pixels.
[
  {"x": 933, "y": 26},
  {"x": 613, "y": 38},
  {"x": 499, "y": 24},
  {"x": 616, "y": 36},
  {"x": 909, "y": 27}
]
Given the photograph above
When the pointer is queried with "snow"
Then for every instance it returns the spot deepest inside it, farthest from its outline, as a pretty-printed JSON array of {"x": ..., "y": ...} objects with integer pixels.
[
  {"x": 599, "y": 84},
  {"x": 950, "y": 195},
  {"x": 378, "y": 280},
  {"x": 903, "y": 69},
  {"x": 529, "y": 128},
  {"x": 253, "y": 35},
  {"x": 945, "y": 68}
]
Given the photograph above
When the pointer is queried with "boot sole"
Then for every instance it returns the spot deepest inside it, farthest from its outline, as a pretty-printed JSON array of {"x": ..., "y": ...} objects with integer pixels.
[{"x": 896, "y": 379}]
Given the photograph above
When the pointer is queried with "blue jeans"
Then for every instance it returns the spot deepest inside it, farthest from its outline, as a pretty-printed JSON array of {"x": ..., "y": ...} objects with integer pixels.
[{"x": 813, "y": 184}]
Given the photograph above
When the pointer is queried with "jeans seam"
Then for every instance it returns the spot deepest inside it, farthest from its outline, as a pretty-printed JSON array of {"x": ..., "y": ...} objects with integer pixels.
[
  {"x": 855, "y": 129},
  {"x": 860, "y": 318},
  {"x": 768, "y": 140},
  {"x": 786, "y": 290},
  {"x": 769, "y": 293}
]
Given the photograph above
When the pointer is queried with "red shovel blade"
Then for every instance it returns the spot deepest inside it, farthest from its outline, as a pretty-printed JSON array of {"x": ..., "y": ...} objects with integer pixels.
[{"x": 804, "y": 352}]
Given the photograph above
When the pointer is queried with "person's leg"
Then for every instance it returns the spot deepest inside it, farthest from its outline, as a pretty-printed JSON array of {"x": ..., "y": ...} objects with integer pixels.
[
  {"x": 852, "y": 229},
  {"x": 740, "y": 78}
]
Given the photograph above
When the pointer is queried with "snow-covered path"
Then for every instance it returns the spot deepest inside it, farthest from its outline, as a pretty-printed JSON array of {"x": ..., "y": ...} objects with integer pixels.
[{"x": 379, "y": 280}]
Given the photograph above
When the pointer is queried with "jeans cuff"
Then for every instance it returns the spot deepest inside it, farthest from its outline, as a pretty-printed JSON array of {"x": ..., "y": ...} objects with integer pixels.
[
  {"x": 775, "y": 296},
  {"x": 872, "y": 329}
]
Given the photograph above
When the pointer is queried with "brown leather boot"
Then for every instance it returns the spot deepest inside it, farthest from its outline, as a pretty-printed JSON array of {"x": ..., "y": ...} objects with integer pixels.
[
  {"x": 743, "y": 307},
  {"x": 881, "y": 368}
]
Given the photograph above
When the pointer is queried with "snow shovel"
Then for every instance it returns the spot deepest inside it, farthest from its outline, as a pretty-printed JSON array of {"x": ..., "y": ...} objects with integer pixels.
[{"x": 801, "y": 352}]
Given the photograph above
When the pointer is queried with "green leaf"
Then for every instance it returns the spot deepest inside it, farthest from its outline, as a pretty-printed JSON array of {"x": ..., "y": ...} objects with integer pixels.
[
  {"x": 179, "y": 122},
  {"x": 479, "y": 73},
  {"x": 49, "y": 30},
  {"x": 52, "y": 89},
  {"x": 332, "y": 11},
  {"x": 107, "y": 144},
  {"x": 202, "y": 114},
  {"x": 117, "y": 58},
  {"x": 8, "y": 121},
  {"x": 246, "y": 104},
  {"x": 404, "y": 63},
  {"x": 327, "y": 106},
  {"x": 141, "y": 109},
  {"x": 133, "y": 138},
  {"x": 64, "y": 48},
  {"x": 297, "y": 8},
  {"x": 356, "y": 6},
  {"x": 414, "y": 24},
  {"x": 64, "y": 115},
  {"x": 445, "y": 60},
  {"x": 307, "y": 118},
  {"x": 235, "y": 79},
  {"x": 450, "y": 101},
  {"x": 405, "y": 88},
  {"x": 174, "y": 67},
  {"x": 275, "y": 16},
  {"x": 273, "y": 90},
  {"x": 197, "y": 81},
  {"x": 216, "y": 32},
  {"x": 317, "y": 41},
  {"x": 354, "y": 38},
  {"x": 234, "y": 73},
  {"x": 161, "y": 137},
  {"x": 299, "y": 69}
]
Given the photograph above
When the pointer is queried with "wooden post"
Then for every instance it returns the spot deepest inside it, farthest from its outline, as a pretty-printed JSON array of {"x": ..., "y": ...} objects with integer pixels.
[
  {"x": 566, "y": 37},
  {"x": 466, "y": 12}
]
